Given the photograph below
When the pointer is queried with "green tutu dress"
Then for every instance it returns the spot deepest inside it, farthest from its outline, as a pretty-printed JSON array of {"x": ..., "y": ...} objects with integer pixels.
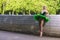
[{"x": 40, "y": 16}]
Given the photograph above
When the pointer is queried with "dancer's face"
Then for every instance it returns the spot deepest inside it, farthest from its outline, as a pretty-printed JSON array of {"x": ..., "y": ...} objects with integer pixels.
[{"x": 44, "y": 7}]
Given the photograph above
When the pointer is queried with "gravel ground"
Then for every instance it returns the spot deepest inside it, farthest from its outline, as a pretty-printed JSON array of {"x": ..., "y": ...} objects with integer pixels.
[{"x": 19, "y": 36}]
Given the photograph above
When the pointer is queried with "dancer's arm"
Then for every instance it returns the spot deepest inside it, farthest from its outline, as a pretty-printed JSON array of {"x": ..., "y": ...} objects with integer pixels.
[{"x": 47, "y": 13}]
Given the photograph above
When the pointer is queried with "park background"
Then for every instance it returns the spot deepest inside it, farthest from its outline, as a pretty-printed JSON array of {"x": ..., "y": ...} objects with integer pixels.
[{"x": 29, "y": 6}]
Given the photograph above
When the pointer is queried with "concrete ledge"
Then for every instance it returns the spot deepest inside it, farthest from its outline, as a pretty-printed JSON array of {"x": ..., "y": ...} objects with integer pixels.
[
  {"x": 28, "y": 24},
  {"x": 52, "y": 28}
]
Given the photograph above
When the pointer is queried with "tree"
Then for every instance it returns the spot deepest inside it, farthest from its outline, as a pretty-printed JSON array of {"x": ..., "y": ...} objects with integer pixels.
[{"x": 26, "y": 6}]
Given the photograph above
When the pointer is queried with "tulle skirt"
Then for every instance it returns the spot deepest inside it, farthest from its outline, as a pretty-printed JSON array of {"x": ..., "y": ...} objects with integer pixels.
[{"x": 37, "y": 17}]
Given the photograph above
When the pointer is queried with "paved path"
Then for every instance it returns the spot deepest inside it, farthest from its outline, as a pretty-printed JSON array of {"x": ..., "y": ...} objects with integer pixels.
[{"x": 18, "y": 36}]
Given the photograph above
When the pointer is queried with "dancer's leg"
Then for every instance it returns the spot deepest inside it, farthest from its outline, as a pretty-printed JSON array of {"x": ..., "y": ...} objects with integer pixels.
[{"x": 41, "y": 27}]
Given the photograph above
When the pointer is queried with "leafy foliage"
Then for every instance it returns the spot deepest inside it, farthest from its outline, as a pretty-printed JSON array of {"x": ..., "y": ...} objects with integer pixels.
[{"x": 30, "y": 5}]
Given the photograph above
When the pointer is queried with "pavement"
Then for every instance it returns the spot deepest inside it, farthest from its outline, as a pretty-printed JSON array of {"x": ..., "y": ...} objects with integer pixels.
[{"x": 4, "y": 35}]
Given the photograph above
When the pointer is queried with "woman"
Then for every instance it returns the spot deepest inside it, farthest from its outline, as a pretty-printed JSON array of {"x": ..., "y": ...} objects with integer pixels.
[{"x": 44, "y": 12}]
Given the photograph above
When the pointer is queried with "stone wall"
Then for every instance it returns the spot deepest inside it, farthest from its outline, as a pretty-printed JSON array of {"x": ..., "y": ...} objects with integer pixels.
[
  {"x": 28, "y": 24},
  {"x": 53, "y": 26},
  {"x": 18, "y": 23}
]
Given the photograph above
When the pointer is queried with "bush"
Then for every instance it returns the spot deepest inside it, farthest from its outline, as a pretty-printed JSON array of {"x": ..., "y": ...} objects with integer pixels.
[{"x": 30, "y": 5}]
